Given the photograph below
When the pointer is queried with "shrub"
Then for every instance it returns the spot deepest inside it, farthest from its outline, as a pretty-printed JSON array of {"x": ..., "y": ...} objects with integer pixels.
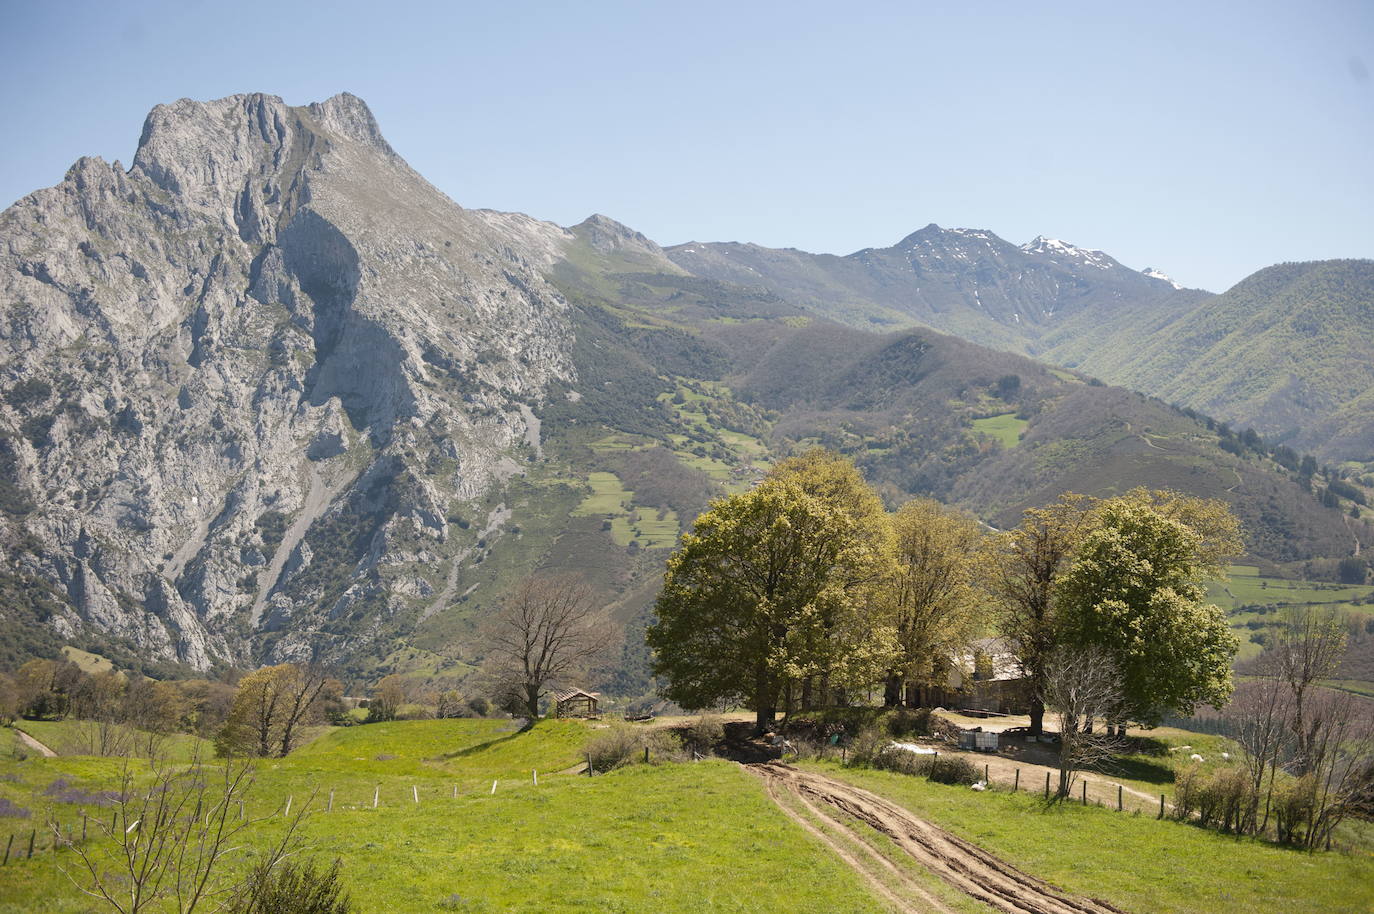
[
  {"x": 873, "y": 749},
  {"x": 1220, "y": 800},
  {"x": 1294, "y": 803},
  {"x": 625, "y": 745},
  {"x": 867, "y": 746},
  {"x": 290, "y": 888},
  {"x": 908, "y": 722},
  {"x": 704, "y": 733}
]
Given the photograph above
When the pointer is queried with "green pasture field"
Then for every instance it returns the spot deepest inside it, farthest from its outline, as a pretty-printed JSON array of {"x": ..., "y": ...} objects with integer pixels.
[
  {"x": 1245, "y": 586},
  {"x": 681, "y": 837},
  {"x": 1134, "y": 862},
  {"x": 611, "y": 499},
  {"x": 667, "y": 838},
  {"x": 1006, "y": 428}
]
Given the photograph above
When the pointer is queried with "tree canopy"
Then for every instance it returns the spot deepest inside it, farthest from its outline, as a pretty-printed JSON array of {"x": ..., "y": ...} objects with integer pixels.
[
  {"x": 765, "y": 591},
  {"x": 1135, "y": 591}
]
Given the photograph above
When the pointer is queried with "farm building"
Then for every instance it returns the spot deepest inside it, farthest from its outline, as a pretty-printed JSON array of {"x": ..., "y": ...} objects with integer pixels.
[
  {"x": 575, "y": 703},
  {"x": 987, "y": 677}
]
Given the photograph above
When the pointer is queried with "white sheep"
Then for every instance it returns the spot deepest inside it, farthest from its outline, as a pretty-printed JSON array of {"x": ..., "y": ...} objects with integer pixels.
[
  {"x": 1226, "y": 756},
  {"x": 979, "y": 786},
  {"x": 1197, "y": 758}
]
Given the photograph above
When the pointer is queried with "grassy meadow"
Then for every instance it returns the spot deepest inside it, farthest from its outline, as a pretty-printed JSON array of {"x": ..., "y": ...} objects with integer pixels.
[
  {"x": 670, "y": 838},
  {"x": 673, "y": 837},
  {"x": 1135, "y": 862}
]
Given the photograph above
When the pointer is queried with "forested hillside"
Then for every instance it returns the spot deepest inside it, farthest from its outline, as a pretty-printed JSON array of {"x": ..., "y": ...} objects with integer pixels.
[{"x": 1288, "y": 351}]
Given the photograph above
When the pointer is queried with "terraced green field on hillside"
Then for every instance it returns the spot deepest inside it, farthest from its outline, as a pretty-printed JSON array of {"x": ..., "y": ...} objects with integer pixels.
[
  {"x": 1253, "y": 600},
  {"x": 649, "y": 528}
]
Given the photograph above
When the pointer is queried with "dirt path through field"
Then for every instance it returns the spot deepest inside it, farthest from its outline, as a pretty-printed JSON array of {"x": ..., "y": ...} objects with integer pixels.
[
  {"x": 960, "y": 864},
  {"x": 34, "y": 744}
]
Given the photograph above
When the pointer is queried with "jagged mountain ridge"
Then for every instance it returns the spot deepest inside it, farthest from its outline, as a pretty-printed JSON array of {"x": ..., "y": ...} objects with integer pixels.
[{"x": 268, "y": 335}]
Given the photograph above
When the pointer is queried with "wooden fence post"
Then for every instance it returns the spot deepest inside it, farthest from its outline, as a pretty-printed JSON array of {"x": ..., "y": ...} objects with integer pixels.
[
  {"x": 33, "y": 834},
  {"x": 287, "y": 813},
  {"x": 987, "y": 778},
  {"x": 493, "y": 787},
  {"x": 83, "y": 826},
  {"x": 1161, "y": 805},
  {"x": 1118, "y": 797},
  {"x": 7, "y": 850},
  {"x": 376, "y": 794},
  {"x": 330, "y": 807},
  {"x": 1016, "y": 785},
  {"x": 1085, "y": 791},
  {"x": 646, "y": 755},
  {"x": 589, "y": 764},
  {"x": 455, "y": 791},
  {"x": 1047, "y": 785},
  {"x": 534, "y": 773},
  {"x": 415, "y": 792}
]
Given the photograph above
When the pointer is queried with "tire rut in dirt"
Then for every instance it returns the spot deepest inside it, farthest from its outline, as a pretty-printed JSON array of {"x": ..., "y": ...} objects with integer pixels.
[{"x": 965, "y": 866}]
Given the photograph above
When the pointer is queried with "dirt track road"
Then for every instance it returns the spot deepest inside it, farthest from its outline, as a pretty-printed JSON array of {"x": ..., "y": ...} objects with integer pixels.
[
  {"x": 34, "y": 744},
  {"x": 960, "y": 864}
]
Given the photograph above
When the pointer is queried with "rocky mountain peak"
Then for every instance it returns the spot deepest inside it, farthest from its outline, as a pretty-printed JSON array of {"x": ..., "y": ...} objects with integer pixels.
[
  {"x": 267, "y": 331},
  {"x": 607, "y": 235}
]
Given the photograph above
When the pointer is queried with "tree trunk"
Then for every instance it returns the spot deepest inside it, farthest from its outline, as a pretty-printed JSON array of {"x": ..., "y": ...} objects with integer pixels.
[
  {"x": 532, "y": 700},
  {"x": 892, "y": 691},
  {"x": 807, "y": 699},
  {"x": 1037, "y": 715},
  {"x": 765, "y": 701}
]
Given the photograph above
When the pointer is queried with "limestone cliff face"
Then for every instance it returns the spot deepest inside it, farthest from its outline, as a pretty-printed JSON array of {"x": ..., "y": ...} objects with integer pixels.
[{"x": 245, "y": 383}]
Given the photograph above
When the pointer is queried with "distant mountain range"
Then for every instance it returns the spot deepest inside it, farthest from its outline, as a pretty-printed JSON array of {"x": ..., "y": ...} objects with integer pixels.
[
  {"x": 1288, "y": 351},
  {"x": 267, "y": 394}
]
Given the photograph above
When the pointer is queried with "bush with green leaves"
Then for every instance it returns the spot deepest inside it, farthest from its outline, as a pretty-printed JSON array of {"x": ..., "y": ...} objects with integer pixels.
[
  {"x": 293, "y": 888},
  {"x": 624, "y": 745}
]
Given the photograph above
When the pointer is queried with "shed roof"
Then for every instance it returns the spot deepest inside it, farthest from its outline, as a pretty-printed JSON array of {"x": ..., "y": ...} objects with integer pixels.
[{"x": 562, "y": 695}]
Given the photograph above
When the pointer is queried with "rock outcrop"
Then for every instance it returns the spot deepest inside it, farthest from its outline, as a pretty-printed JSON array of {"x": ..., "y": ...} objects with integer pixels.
[{"x": 246, "y": 381}]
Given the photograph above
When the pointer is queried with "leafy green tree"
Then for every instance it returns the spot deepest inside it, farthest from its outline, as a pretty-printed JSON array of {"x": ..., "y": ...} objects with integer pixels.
[
  {"x": 271, "y": 706},
  {"x": 765, "y": 591},
  {"x": 1024, "y": 565},
  {"x": 1135, "y": 592},
  {"x": 929, "y": 591},
  {"x": 836, "y": 481}
]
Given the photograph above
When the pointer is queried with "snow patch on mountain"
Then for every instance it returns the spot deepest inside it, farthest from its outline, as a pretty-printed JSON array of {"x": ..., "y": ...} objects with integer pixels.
[
  {"x": 1160, "y": 274},
  {"x": 1053, "y": 247}
]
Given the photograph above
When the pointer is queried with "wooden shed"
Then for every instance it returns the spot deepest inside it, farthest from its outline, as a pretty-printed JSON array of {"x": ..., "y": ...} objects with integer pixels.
[{"x": 575, "y": 703}]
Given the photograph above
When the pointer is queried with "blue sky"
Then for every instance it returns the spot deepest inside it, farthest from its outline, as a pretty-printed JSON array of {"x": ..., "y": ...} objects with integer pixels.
[{"x": 1204, "y": 139}]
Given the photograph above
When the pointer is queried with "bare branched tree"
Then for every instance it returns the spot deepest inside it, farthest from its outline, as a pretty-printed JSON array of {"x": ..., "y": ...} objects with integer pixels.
[
  {"x": 1339, "y": 761},
  {"x": 1261, "y": 710},
  {"x": 1081, "y": 685},
  {"x": 1309, "y": 644},
  {"x": 169, "y": 840},
  {"x": 546, "y": 632}
]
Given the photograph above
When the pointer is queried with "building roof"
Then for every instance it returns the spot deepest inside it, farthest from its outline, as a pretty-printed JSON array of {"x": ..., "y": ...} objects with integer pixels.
[{"x": 562, "y": 695}]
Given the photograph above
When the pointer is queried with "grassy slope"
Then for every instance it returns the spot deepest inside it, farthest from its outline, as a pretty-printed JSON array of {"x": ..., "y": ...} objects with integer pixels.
[
  {"x": 687, "y": 837},
  {"x": 676, "y": 838},
  {"x": 1136, "y": 863}
]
